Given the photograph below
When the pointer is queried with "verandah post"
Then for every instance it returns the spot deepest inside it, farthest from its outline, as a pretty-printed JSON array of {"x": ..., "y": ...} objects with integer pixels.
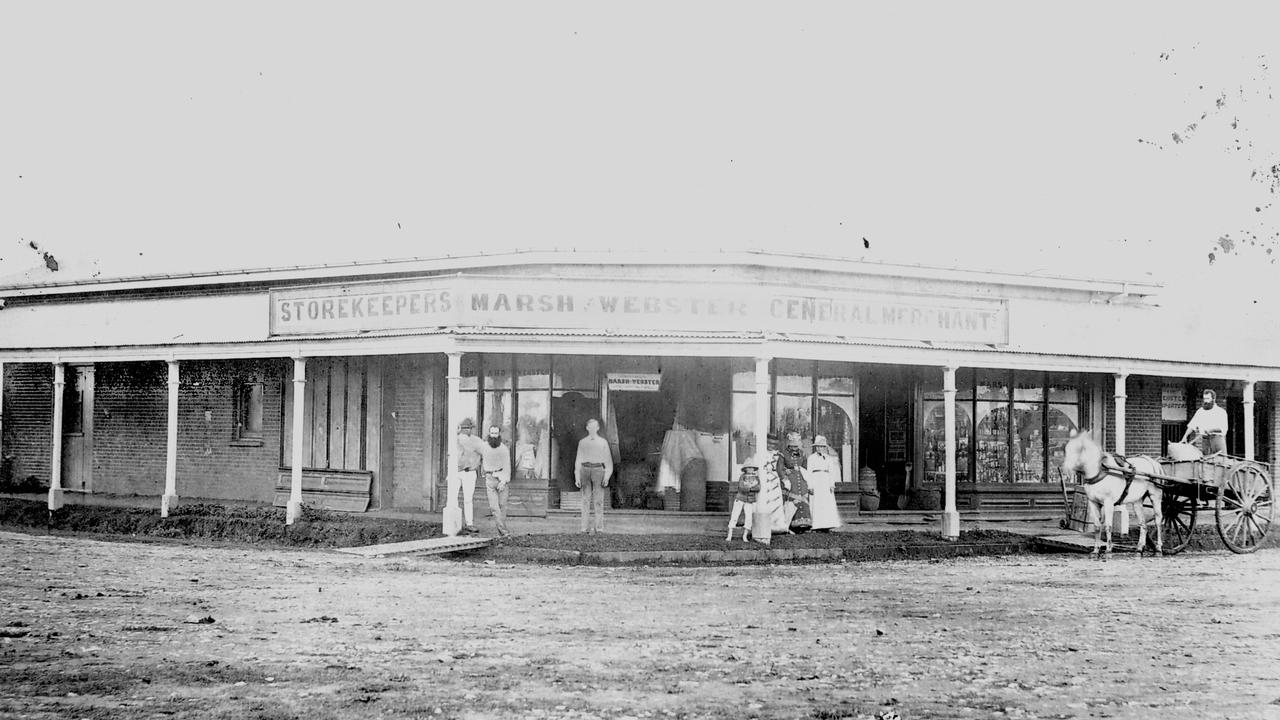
[
  {"x": 294, "y": 507},
  {"x": 170, "y": 498},
  {"x": 950, "y": 515},
  {"x": 55, "y": 459}
]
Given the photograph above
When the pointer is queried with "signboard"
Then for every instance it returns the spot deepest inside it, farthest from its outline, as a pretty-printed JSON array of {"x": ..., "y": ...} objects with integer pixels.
[
  {"x": 634, "y": 382},
  {"x": 1173, "y": 404},
  {"x": 471, "y": 301}
]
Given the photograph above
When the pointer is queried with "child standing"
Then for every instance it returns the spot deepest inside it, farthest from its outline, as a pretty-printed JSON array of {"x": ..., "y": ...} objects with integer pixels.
[{"x": 745, "y": 500}]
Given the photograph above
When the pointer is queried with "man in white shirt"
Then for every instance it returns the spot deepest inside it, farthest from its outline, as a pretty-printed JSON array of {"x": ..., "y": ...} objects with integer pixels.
[{"x": 1209, "y": 424}]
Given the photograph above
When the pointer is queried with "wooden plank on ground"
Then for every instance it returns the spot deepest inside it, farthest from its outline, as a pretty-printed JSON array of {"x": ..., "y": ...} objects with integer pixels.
[{"x": 430, "y": 546}]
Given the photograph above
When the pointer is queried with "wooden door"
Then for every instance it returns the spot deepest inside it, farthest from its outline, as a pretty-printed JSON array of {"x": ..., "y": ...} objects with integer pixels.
[{"x": 77, "y": 429}]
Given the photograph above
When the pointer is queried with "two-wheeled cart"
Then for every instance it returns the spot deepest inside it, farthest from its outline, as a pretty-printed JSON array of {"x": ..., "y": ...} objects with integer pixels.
[{"x": 1241, "y": 494}]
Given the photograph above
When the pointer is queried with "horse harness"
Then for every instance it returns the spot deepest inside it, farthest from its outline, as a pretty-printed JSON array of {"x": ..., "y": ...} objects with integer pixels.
[{"x": 1123, "y": 468}]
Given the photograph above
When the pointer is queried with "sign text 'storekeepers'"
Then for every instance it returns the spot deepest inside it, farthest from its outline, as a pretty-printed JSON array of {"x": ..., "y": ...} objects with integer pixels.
[{"x": 467, "y": 301}]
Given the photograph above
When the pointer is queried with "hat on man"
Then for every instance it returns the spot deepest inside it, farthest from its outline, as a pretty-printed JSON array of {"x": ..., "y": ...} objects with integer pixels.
[
  {"x": 819, "y": 441},
  {"x": 793, "y": 439}
]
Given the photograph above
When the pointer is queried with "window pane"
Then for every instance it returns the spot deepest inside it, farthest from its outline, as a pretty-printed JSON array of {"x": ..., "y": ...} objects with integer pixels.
[
  {"x": 935, "y": 442},
  {"x": 533, "y": 439},
  {"x": 497, "y": 372},
  {"x": 835, "y": 422},
  {"x": 534, "y": 372},
  {"x": 992, "y": 386},
  {"x": 794, "y": 376},
  {"x": 1064, "y": 388},
  {"x": 497, "y": 411},
  {"x": 1028, "y": 442},
  {"x": 1062, "y": 420},
  {"x": 793, "y": 413},
  {"x": 1029, "y": 387},
  {"x": 991, "y": 443},
  {"x": 836, "y": 386},
  {"x": 250, "y": 406}
]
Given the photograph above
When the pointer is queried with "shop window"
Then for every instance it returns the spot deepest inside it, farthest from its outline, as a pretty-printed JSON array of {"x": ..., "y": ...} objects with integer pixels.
[
  {"x": 248, "y": 411},
  {"x": 533, "y": 423},
  {"x": 837, "y": 406},
  {"x": 934, "y": 426}
]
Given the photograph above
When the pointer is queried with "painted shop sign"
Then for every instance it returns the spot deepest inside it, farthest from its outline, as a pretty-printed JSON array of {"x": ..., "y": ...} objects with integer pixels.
[
  {"x": 469, "y": 301},
  {"x": 1173, "y": 404},
  {"x": 634, "y": 382}
]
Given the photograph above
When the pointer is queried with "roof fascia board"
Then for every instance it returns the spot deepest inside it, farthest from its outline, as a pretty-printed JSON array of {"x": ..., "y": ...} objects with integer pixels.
[{"x": 464, "y": 262}]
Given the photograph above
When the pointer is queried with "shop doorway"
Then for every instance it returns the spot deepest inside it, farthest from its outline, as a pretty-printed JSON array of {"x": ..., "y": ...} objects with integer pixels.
[
  {"x": 884, "y": 418},
  {"x": 643, "y": 419},
  {"x": 569, "y": 415}
]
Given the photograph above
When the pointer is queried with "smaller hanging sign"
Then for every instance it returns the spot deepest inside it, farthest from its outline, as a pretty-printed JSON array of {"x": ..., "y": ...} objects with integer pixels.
[
  {"x": 1173, "y": 404},
  {"x": 634, "y": 382}
]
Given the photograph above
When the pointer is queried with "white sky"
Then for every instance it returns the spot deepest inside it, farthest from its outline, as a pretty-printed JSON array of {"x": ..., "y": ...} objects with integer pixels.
[{"x": 174, "y": 137}]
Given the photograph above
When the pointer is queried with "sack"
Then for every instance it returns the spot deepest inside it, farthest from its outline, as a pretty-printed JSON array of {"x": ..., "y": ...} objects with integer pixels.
[{"x": 452, "y": 520}]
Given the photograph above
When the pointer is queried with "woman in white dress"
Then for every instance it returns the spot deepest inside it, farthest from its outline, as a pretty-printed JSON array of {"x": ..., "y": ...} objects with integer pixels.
[{"x": 823, "y": 472}]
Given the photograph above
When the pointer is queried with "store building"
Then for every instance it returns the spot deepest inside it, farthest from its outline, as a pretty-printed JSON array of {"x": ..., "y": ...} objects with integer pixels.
[{"x": 343, "y": 385}]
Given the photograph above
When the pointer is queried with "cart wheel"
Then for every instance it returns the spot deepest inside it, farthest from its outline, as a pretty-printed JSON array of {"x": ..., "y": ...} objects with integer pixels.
[
  {"x": 1245, "y": 507},
  {"x": 1179, "y": 514}
]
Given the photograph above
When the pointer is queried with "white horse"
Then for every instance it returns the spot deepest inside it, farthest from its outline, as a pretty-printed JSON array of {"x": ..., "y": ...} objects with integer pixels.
[{"x": 1110, "y": 481}]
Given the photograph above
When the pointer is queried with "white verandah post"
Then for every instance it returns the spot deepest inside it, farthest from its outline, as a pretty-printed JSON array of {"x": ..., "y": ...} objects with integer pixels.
[
  {"x": 170, "y": 498},
  {"x": 55, "y": 459},
  {"x": 950, "y": 515},
  {"x": 762, "y": 409},
  {"x": 1248, "y": 420},
  {"x": 1120, "y": 398},
  {"x": 453, "y": 380},
  {"x": 294, "y": 507},
  {"x": 1120, "y": 519}
]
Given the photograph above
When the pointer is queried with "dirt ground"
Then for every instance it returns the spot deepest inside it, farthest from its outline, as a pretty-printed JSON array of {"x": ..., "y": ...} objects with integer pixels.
[{"x": 98, "y": 629}]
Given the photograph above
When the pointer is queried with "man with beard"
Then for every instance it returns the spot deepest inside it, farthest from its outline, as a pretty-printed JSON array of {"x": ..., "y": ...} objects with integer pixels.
[
  {"x": 1209, "y": 424},
  {"x": 495, "y": 463}
]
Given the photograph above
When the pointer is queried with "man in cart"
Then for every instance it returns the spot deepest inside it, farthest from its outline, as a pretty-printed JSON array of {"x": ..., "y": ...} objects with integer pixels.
[{"x": 1209, "y": 425}]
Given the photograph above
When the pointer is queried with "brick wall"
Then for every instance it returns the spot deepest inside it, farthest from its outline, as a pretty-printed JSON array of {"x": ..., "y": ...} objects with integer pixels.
[
  {"x": 1141, "y": 414},
  {"x": 1272, "y": 391},
  {"x": 28, "y": 419},
  {"x": 211, "y": 462},
  {"x": 130, "y": 403}
]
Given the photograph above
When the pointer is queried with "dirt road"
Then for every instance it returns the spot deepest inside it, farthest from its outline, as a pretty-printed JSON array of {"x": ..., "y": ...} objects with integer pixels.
[{"x": 122, "y": 630}]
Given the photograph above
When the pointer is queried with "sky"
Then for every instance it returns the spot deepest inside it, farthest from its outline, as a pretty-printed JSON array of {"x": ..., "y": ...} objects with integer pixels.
[{"x": 161, "y": 137}]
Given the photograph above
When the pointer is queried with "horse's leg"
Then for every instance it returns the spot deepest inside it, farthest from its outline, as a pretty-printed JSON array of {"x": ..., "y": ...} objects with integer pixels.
[
  {"x": 1097, "y": 529},
  {"x": 1108, "y": 509},
  {"x": 1142, "y": 527}
]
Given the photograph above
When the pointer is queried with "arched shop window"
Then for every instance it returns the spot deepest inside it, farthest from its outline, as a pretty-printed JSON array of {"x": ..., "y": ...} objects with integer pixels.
[{"x": 1011, "y": 426}]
